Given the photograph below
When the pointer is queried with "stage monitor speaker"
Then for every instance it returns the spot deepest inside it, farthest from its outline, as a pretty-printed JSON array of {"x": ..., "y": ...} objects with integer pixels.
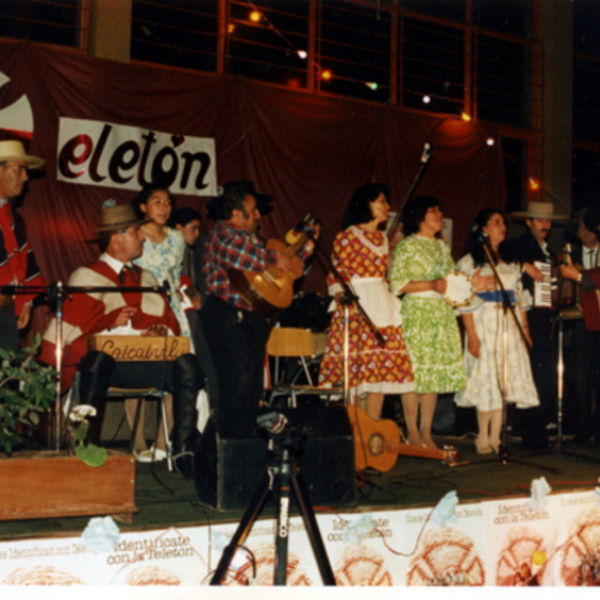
[{"x": 232, "y": 456}]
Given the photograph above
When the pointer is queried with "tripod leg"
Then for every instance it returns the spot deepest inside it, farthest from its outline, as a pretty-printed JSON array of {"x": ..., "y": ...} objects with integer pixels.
[
  {"x": 283, "y": 518},
  {"x": 312, "y": 529},
  {"x": 243, "y": 529}
]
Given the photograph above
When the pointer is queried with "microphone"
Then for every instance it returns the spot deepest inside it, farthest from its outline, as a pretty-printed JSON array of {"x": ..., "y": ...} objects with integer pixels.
[
  {"x": 426, "y": 152},
  {"x": 483, "y": 237},
  {"x": 566, "y": 254},
  {"x": 293, "y": 235}
]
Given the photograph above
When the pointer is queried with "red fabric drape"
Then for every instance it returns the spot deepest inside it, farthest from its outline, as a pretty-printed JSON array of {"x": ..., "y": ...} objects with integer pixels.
[{"x": 308, "y": 152}]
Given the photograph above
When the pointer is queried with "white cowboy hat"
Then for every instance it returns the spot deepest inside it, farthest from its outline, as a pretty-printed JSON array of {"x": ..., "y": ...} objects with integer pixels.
[
  {"x": 14, "y": 150},
  {"x": 539, "y": 210}
]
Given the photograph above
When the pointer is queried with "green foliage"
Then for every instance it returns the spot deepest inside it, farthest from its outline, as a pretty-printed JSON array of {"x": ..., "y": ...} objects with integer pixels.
[
  {"x": 27, "y": 389},
  {"x": 91, "y": 454}
]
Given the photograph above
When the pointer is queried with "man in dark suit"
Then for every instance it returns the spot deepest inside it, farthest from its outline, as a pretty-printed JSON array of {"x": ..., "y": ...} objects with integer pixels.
[
  {"x": 532, "y": 247},
  {"x": 582, "y": 382}
]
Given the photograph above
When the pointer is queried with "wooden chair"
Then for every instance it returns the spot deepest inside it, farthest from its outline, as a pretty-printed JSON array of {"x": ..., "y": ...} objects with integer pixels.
[
  {"x": 301, "y": 344},
  {"x": 119, "y": 394}
]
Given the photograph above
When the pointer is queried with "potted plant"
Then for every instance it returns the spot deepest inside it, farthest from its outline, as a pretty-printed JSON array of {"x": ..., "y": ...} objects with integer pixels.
[{"x": 50, "y": 483}]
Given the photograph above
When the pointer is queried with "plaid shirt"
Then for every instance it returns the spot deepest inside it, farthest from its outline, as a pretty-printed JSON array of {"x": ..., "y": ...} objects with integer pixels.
[
  {"x": 230, "y": 248},
  {"x": 227, "y": 247}
]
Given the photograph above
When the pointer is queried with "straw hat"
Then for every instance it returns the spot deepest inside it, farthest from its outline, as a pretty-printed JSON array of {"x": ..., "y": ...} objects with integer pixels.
[
  {"x": 114, "y": 217},
  {"x": 539, "y": 210},
  {"x": 14, "y": 150}
]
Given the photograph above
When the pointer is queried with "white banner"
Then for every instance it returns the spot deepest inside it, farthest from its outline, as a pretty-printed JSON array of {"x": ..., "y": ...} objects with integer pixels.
[
  {"x": 491, "y": 543},
  {"x": 119, "y": 156}
]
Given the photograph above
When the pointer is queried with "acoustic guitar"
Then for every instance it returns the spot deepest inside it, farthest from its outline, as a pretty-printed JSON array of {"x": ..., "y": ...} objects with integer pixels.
[
  {"x": 377, "y": 443},
  {"x": 271, "y": 291}
]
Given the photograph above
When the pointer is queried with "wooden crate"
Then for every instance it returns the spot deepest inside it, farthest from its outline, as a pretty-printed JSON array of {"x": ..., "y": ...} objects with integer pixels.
[{"x": 40, "y": 485}]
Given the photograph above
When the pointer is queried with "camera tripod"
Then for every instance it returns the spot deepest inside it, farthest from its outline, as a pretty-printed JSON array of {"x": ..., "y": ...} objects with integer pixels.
[{"x": 281, "y": 479}]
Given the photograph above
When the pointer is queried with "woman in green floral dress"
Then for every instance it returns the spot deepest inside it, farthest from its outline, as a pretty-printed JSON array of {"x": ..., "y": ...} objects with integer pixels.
[{"x": 419, "y": 265}]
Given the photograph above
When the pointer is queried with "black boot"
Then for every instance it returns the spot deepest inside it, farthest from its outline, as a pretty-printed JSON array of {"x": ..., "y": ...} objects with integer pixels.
[
  {"x": 189, "y": 380},
  {"x": 184, "y": 435},
  {"x": 95, "y": 371}
]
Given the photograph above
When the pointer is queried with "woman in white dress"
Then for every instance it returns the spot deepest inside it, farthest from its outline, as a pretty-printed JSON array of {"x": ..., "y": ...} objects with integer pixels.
[{"x": 482, "y": 319}]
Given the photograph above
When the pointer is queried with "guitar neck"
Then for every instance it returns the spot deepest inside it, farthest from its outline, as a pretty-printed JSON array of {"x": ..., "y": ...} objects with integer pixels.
[
  {"x": 294, "y": 248},
  {"x": 418, "y": 451}
]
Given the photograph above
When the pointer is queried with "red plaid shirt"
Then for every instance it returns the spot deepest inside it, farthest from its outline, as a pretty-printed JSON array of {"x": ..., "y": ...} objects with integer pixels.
[
  {"x": 230, "y": 248},
  {"x": 227, "y": 247}
]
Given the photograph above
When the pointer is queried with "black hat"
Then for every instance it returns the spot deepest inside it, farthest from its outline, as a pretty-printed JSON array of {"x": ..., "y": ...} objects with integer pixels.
[
  {"x": 215, "y": 206},
  {"x": 591, "y": 219}
]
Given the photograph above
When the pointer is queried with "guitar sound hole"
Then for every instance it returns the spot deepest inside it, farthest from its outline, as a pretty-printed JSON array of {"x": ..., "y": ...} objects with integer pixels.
[{"x": 376, "y": 444}]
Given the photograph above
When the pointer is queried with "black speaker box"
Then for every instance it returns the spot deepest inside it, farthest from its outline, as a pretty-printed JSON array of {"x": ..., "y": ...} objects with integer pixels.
[{"x": 232, "y": 456}]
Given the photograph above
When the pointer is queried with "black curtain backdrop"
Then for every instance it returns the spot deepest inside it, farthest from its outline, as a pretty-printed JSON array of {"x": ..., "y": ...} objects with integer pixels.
[{"x": 308, "y": 152}]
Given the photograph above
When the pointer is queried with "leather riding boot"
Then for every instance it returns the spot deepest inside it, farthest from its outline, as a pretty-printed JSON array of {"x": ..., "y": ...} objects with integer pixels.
[
  {"x": 95, "y": 371},
  {"x": 184, "y": 433}
]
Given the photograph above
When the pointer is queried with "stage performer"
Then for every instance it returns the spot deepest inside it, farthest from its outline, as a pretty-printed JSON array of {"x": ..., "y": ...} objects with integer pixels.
[
  {"x": 188, "y": 221},
  {"x": 236, "y": 335},
  {"x": 114, "y": 313},
  {"x": 17, "y": 263},
  {"x": 527, "y": 248},
  {"x": 360, "y": 254},
  {"x": 583, "y": 369},
  {"x": 482, "y": 318},
  {"x": 164, "y": 247},
  {"x": 420, "y": 263}
]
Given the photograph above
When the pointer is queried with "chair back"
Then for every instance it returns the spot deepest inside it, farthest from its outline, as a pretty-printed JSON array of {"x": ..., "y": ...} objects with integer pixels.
[{"x": 291, "y": 342}]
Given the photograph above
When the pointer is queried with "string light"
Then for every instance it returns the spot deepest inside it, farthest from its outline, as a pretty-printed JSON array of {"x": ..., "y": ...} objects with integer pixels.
[
  {"x": 490, "y": 141},
  {"x": 255, "y": 16},
  {"x": 426, "y": 99},
  {"x": 372, "y": 85},
  {"x": 465, "y": 117},
  {"x": 230, "y": 28},
  {"x": 326, "y": 75},
  {"x": 533, "y": 184},
  {"x": 302, "y": 54}
]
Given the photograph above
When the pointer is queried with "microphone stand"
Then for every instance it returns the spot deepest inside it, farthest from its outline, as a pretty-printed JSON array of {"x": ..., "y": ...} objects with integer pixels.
[
  {"x": 423, "y": 163},
  {"x": 348, "y": 298},
  {"x": 503, "y": 452},
  {"x": 57, "y": 292}
]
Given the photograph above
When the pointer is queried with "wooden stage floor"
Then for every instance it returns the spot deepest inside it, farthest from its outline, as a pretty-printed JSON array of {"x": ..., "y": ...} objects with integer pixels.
[{"x": 165, "y": 499}]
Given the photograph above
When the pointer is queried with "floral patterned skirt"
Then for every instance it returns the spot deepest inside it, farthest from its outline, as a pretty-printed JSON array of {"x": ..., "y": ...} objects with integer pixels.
[
  {"x": 372, "y": 368},
  {"x": 433, "y": 342}
]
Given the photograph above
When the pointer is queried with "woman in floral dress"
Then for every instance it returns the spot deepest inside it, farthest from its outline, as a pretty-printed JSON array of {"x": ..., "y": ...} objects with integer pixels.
[
  {"x": 164, "y": 247},
  {"x": 484, "y": 325},
  {"x": 420, "y": 263},
  {"x": 360, "y": 254},
  {"x": 163, "y": 256}
]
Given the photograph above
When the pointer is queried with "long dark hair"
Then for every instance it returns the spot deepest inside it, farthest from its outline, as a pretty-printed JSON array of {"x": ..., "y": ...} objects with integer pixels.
[
  {"x": 475, "y": 242},
  {"x": 144, "y": 196},
  {"x": 414, "y": 213},
  {"x": 359, "y": 209}
]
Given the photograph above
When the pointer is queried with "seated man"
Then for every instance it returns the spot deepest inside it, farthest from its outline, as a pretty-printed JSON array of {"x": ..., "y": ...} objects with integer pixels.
[{"x": 127, "y": 313}]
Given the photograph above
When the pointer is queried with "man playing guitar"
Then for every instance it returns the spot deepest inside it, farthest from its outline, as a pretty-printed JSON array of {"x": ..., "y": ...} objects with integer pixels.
[{"x": 236, "y": 335}]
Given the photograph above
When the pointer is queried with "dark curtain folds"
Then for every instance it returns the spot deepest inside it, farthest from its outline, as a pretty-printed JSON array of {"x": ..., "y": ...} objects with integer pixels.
[{"x": 308, "y": 152}]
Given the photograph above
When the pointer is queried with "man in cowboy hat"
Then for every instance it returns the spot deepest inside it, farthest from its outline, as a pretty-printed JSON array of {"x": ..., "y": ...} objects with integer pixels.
[
  {"x": 17, "y": 263},
  {"x": 236, "y": 335},
  {"x": 528, "y": 248},
  {"x": 124, "y": 313}
]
